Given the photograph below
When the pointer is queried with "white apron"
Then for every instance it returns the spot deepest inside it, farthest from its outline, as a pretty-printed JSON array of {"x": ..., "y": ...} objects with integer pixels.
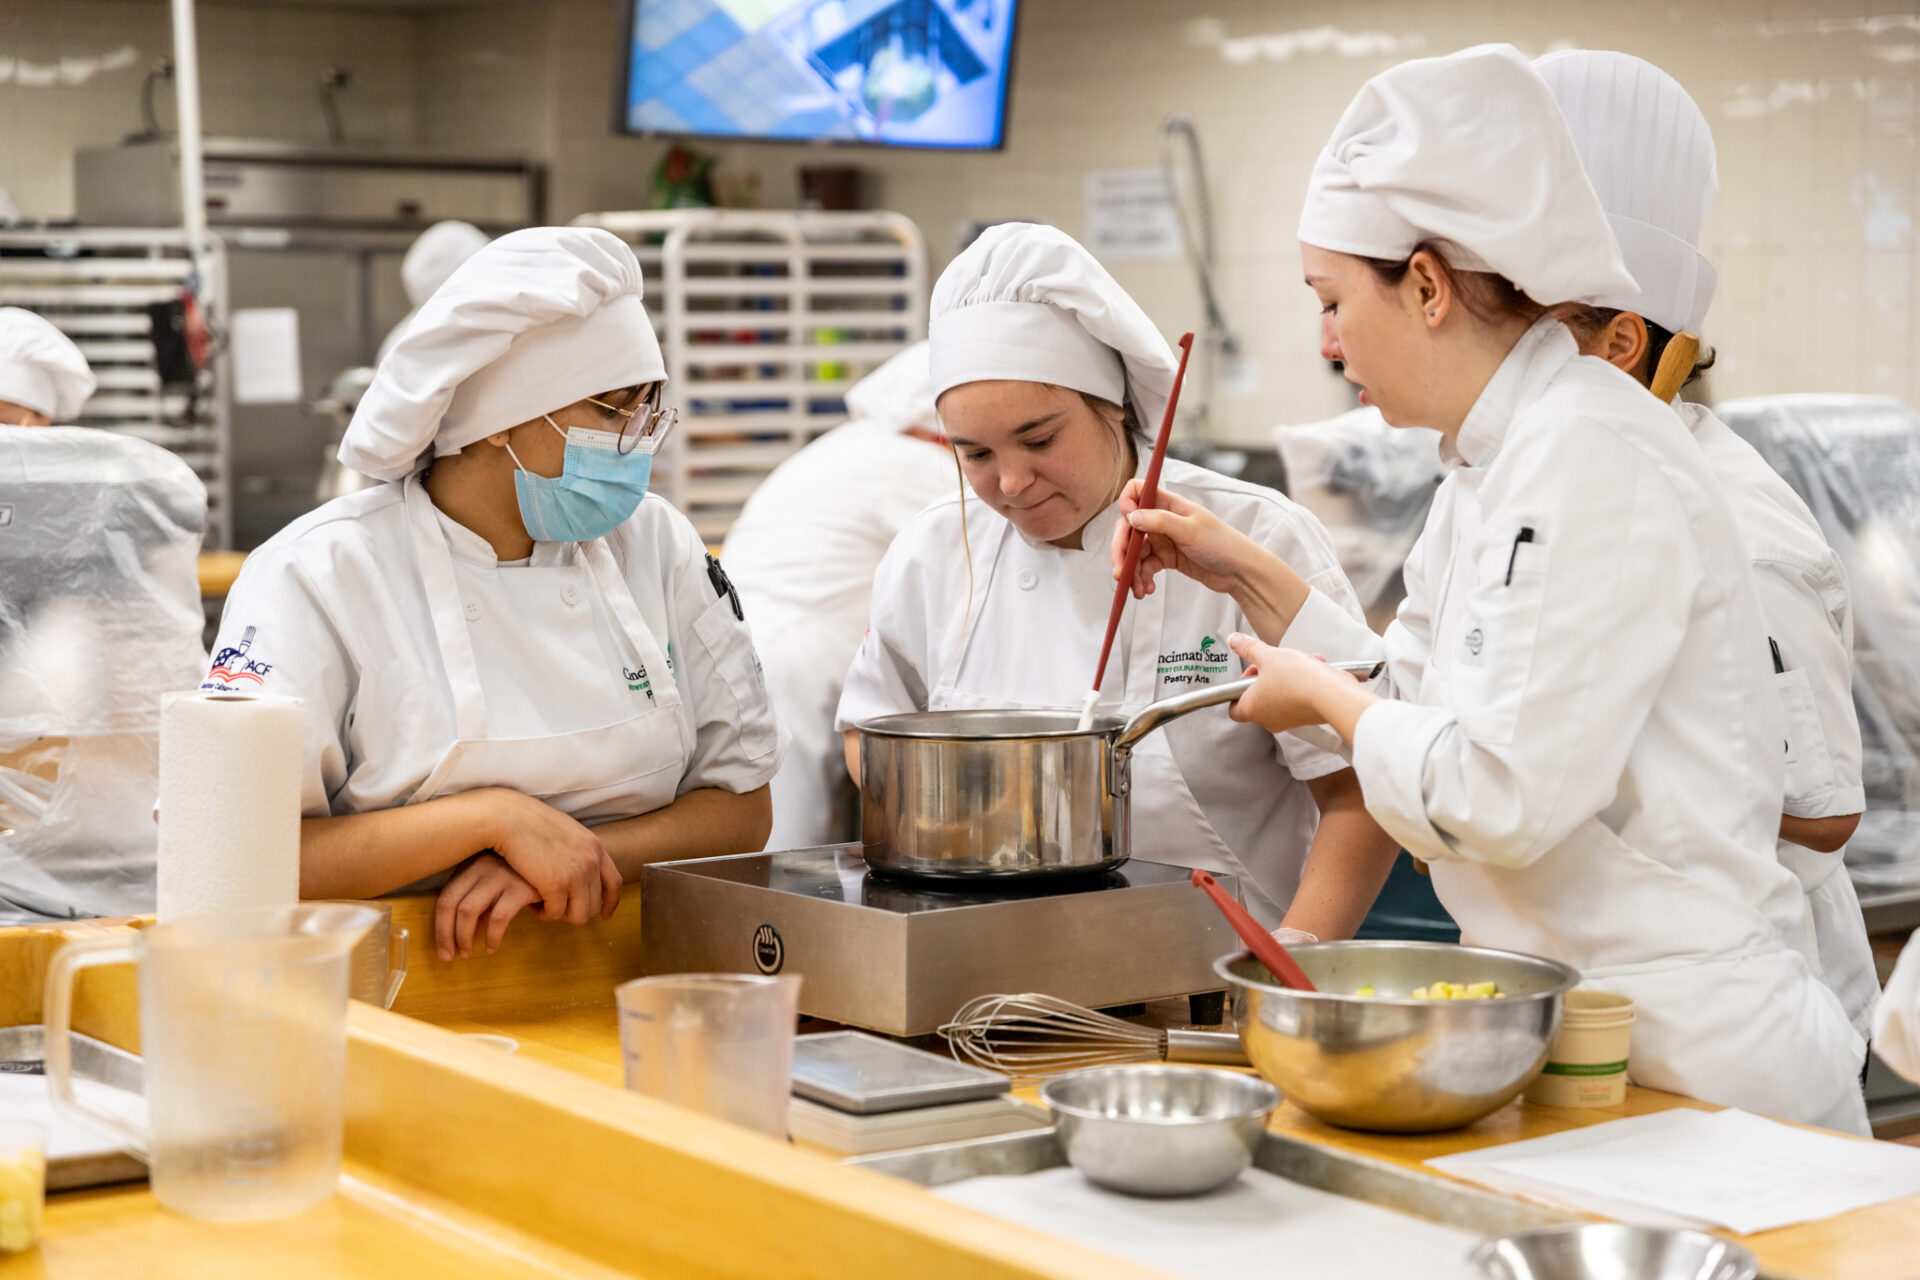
[
  {"x": 1166, "y": 823},
  {"x": 620, "y": 770},
  {"x": 1729, "y": 1028}
]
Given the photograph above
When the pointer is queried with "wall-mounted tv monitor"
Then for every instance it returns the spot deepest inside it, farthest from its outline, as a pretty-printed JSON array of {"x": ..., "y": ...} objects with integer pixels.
[{"x": 909, "y": 73}]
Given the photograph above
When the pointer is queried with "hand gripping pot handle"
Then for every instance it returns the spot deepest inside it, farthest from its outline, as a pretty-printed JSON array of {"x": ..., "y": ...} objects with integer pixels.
[
  {"x": 1165, "y": 711},
  {"x": 58, "y": 1013}
]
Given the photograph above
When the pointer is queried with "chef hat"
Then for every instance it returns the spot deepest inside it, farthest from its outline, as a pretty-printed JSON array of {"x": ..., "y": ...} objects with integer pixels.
[
  {"x": 531, "y": 323},
  {"x": 1468, "y": 150},
  {"x": 1649, "y": 155},
  {"x": 899, "y": 394},
  {"x": 1028, "y": 303},
  {"x": 40, "y": 368},
  {"x": 435, "y": 254}
]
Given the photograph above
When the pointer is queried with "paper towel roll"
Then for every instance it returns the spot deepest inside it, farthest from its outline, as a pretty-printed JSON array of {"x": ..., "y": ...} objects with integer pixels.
[{"x": 230, "y": 768}]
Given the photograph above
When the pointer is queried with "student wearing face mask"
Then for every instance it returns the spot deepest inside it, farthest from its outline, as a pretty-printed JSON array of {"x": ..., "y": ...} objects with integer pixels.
[
  {"x": 1046, "y": 375},
  {"x": 524, "y": 677},
  {"x": 1578, "y": 728}
]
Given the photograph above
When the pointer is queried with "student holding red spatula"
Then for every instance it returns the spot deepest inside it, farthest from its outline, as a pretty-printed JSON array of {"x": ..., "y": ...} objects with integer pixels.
[{"x": 1047, "y": 377}]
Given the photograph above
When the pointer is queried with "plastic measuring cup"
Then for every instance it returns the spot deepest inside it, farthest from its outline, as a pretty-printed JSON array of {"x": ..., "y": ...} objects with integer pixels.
[
  {"x": 243, "y": 1025},
  {"x": 379, "y": 958},
  {"x": 717, "y": 1043}
]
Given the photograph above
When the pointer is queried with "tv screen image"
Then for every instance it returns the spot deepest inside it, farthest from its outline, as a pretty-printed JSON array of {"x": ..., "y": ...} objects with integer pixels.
[{"x": 917, "y": 73}]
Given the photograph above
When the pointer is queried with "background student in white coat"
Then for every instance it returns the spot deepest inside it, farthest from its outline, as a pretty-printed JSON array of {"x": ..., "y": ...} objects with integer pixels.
[
  {"x": 1579, "y": 731},
  {"x": 518, "y": 669},
  {"x": 803, "y": 554},
  {"x": 44, "y": 377},
  {"x": 1047, "y": 375},
  {"x": 1649, "y": 153}
]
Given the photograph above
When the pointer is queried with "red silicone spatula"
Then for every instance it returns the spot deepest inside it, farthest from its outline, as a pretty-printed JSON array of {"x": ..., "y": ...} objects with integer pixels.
[
  {"x": 1265, "y": 947},
  {"x": 1137, "y": 541}
]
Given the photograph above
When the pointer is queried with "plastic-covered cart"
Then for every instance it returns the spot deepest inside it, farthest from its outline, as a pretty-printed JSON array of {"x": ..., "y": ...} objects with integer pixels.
[{"x": 1855, "y": 460}]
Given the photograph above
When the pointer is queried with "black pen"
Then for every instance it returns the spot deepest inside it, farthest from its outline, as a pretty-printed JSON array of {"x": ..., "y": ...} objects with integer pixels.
[
  {"x": 1525, "y": 535},
  {"x": 1779, "y": 667}
]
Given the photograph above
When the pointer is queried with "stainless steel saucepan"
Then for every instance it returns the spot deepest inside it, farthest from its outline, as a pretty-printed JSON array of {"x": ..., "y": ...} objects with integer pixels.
[{"x": 977, "y": 795}]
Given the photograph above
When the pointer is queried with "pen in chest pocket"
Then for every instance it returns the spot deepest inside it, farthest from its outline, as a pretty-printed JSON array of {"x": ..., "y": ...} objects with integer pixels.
[{"x": 1525, "y": 535}]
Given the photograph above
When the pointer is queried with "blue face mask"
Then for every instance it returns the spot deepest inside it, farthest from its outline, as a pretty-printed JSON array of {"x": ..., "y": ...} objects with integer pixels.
[{"x": 596, "y": 491}]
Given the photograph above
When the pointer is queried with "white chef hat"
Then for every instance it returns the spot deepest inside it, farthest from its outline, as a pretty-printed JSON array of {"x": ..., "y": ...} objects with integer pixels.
[
  {"x": 1468, "y": 150},
  {"x": 435, "y": 254},
  {"x": 1649, "y": 155},
  {"x": 899, "y": 394},
  {"x": 531, "y": 323},
  {"x": 40, "y": 368},
  {"x": 1028, "y": 303}
]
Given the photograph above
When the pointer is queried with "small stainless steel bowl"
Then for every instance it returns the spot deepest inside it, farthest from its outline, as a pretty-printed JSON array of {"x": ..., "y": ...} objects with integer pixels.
[
  {"x": 1159, "y": 1131},
  {"x": 1607, "y": 1251},
  {"x": 1387, "y": 1062}
]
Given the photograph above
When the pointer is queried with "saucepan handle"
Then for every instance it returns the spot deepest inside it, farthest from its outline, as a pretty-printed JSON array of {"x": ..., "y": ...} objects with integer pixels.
[{"x": 1153, "y": 715}]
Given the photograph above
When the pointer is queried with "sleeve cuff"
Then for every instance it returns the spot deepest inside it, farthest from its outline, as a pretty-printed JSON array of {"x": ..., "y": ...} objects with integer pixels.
[
  {"x": 1391, "y": 743},
  {"x": 1323, "y": 627},
  {"x": 1831, "y": 803}
]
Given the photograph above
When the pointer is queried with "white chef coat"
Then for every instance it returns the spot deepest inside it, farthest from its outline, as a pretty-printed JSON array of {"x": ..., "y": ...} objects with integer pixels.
[
  {"x": 1581, "y": 744},
  {"x": 1809, "y": 615},
  {"x": 1207, "y": 792},
  {"x": 604, "y": 677},
  {"x": 803, "y": 555},
  {"x": 1896, "y": 1022}
]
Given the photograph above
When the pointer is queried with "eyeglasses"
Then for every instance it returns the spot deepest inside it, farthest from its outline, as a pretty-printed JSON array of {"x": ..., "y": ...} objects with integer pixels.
[{"x": 643, "y": 422}]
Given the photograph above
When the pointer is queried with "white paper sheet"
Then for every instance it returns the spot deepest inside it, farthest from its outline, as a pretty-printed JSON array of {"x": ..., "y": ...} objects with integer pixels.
[
  {"x": 1727, "y": 1168},
  {"x": 1256, "y": 1228},
  {"x": 1130, "y": 214},
  {"x": 266, "y": 355},
  {"x": 1483, "y": 1168}
]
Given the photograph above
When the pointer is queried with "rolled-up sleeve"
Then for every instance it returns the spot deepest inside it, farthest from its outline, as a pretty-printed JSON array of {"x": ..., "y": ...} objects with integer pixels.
[
  {"x": 276, "y": 637},
  {"x": 738, "y": 742},
  {"x": 1809, "y": 617}
]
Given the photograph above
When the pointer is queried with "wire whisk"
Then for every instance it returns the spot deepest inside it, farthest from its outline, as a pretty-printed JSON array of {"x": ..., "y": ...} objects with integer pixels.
[{"x": 1039, "y": 1035}]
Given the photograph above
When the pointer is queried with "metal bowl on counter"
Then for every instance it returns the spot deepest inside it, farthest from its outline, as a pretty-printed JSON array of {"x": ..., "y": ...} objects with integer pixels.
[
  {"x": 1152, "y": 1130},
  {"x": 1608, "y": 1251},
  {"x": 1385, "y": 1061}
]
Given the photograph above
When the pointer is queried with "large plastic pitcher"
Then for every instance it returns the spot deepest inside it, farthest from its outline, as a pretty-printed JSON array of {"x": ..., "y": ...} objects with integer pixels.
[{"x": 243, "y": 1024}]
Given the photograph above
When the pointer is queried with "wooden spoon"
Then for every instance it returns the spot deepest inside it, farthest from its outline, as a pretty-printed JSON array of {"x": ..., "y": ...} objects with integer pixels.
[{"x": 1676, "y": 362}]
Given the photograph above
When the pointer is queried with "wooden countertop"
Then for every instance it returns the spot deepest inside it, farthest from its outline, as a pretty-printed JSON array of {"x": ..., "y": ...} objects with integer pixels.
[
  {"x": 575, "y": 1028},
  {"x": 429, "y": 1121}
]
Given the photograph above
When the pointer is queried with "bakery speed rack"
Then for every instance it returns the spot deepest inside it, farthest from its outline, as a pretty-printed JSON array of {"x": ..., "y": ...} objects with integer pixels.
[
  {"x": 111, "y": 291},
  {"x": 765, "y": 319}
]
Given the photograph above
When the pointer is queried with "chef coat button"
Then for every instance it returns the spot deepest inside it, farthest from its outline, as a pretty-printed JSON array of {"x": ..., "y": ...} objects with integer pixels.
[
  {"x": 570, "y": 593},
  {"x": 473, "y": 610},
  {"x": 1029, "y": 580}
]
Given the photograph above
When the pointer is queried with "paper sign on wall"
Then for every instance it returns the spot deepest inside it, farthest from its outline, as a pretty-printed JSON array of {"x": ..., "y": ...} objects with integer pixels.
[
  {"x": 1131, "y": 214},
  {"x": 266, "y": 355}
]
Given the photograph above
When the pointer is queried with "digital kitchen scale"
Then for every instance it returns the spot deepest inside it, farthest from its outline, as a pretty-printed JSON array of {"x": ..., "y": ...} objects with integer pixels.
[{"x": 900, "y": 957}]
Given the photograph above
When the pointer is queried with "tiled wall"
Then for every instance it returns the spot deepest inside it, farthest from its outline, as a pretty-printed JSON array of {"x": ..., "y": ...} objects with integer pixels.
[
  {"x": 1815, "y": 105},
  {"x": 71, "y": 71}
]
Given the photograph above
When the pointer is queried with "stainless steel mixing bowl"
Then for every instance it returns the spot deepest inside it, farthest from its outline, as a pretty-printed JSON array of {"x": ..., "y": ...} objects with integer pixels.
[
  {"x": 1153, "y": 1130},
  {"x": 1607, "y": 1251},
  {"x": 1389, "y": 1063}
]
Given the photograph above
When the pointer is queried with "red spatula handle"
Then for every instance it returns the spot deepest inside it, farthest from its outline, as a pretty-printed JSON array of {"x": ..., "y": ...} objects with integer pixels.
[
  {"x": 1149, "y": 491},
  {"x": 1265, "y": 947}
]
